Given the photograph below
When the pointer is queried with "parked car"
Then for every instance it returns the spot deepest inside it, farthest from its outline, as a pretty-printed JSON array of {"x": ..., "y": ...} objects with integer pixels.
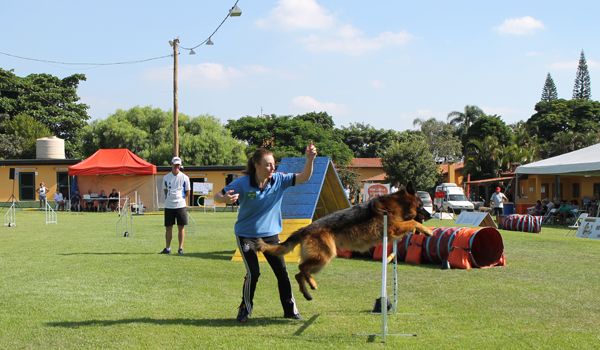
[
  {"x": 426, "y": 199},
  {"x": 451, "y": 198}
]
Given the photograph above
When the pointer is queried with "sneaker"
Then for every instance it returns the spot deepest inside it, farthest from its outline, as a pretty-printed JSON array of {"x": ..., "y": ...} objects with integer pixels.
[
  {"x": 243, "y": 314},
  {"x": 166, "y": 251},
  {"x": 180, "y": 251},
  {"x": 293, "y": 316}
]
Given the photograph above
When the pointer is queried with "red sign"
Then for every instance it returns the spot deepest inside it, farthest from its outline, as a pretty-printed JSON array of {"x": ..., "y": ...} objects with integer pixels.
[
  {"x": 440, "y": 194},
  {"x": 377, "y": 190}
]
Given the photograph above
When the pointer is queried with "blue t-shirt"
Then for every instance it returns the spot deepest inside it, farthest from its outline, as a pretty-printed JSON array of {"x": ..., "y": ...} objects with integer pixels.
[{"x": 260, "y": 211}]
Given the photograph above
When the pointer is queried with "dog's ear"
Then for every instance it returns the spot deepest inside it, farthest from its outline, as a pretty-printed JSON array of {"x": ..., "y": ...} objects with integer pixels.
[{"x": 410, "y": 188}]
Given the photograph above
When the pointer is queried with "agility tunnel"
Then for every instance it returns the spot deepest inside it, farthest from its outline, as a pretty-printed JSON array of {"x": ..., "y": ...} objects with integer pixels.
[
  {"x": 454, "y": 247},
  {"x": 523, "y": 223}
]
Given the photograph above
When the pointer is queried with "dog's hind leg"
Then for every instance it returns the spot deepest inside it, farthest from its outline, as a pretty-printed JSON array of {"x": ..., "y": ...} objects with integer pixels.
[{"x": 300, "y": 278}]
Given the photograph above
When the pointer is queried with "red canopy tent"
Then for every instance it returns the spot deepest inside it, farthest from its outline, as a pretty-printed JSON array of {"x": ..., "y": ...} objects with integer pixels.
[
  {"x": 115, "y": 161},
  {"x": 121, "y": 169}
]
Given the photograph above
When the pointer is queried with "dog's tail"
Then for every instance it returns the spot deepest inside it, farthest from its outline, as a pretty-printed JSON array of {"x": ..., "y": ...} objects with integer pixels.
[{"x": 284, "y": 247}]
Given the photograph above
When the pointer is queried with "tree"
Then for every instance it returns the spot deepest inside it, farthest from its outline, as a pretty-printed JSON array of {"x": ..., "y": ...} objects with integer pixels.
[
  {"x": 49, "y": 100},
  {"x": 490, "y": 125},
  {"x": 582, "y": 89},
  {"x": 410, "y": 161},
  {"x": 579, "y": 119},
  {"x": 463, "y": 120},
  {"x": 367, "y": 142},
  {"x": 549, "y": 93},
  {"x": 24, "y": 131},
  {"x": 288, "y": 136},
  {"x": 148, "y": 133},
  {"x": 441, "y": 139}
]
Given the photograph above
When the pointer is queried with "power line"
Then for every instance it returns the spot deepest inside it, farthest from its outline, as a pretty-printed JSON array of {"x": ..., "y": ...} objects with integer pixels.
[
  {"x": 214, "y": 31},
  {"x": 84, "y": 63},
  {"x": 232, "y": 12}
]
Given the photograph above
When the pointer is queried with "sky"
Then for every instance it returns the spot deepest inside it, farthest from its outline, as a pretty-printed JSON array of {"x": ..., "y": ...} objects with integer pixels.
[{"x": 383, "y": 63}]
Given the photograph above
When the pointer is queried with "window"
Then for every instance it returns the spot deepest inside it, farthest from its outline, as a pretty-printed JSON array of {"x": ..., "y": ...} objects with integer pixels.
[
  {"x": 596, "y": 190},
  {"x": 576, "y": 190},
  {"x": 62, "y": 183}
]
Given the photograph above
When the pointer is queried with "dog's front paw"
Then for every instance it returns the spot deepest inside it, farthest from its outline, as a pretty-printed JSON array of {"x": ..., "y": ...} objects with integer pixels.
[{"x": 425, "y": 230}]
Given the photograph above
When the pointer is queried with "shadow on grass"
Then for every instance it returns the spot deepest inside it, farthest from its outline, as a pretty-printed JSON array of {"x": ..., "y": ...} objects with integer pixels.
[
  {"x": 208, "y": 322},
  {"x": 218, "y": 255},
  {"x": 107, "y": 253}
]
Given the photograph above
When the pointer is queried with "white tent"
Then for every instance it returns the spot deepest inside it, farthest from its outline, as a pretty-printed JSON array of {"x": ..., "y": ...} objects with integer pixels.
[{"x": 583, "y": 162}]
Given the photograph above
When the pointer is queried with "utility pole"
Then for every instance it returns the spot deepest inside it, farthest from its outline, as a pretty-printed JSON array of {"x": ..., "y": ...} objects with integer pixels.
[{"x": 175, "y": 44}]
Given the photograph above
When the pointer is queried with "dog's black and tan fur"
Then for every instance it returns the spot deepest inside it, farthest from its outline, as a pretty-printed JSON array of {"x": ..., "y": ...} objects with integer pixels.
[{"x": 357, "y": 228}]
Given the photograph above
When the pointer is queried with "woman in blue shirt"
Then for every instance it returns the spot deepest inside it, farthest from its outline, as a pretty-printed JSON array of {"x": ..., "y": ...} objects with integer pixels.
[{"x": 259, "y": 194}]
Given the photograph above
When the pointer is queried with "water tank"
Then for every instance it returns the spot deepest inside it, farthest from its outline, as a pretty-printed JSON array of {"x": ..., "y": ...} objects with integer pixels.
[{"x": 50, "y": 148}]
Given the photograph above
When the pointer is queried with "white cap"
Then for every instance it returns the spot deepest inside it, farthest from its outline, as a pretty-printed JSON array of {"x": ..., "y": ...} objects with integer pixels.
[{"x": 176, "y": 161}]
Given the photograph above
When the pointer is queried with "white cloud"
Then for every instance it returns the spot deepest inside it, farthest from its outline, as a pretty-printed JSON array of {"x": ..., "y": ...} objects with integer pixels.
[
  {"x": 533, "y": 53},
  {"x": 298, "y": 14},
  {"x": 310, "y": 104},
  {"x": 350, "y": 40},
  {"x": 205, "y": 74},
  {"x": 425, "y": 113},
  {"x": 520, "y": 26},
  {"x": 572, "y": 65},
  {"x": 328, "y": 34},
  {"x": 377, "y": 84}
]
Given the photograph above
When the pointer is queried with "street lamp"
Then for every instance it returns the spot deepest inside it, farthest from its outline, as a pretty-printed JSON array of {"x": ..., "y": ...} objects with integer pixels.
[{"x": 234, "y": 11}]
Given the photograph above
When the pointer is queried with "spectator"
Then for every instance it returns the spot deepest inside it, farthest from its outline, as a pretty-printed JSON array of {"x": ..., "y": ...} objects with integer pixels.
[
  {"x": 113, "y": 199},
  {"x": 59, "y": 201},
  {"x": 497, "y": 203},
  {"x": 347, "y": 191},
  {"x": 42, "y": 191},
  {"x": 564, "y": 212},
  {"x": 89, "y": 202},
  {"x": 538, "y": 209},
  {"x": 75, "y": 201},
  {"x": 102, "y": 201}
]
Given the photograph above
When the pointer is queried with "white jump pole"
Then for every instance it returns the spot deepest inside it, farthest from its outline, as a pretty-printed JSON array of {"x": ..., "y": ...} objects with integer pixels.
[
  {"x": 384, "y": 262},
  {"x": 384, "y": 310}
]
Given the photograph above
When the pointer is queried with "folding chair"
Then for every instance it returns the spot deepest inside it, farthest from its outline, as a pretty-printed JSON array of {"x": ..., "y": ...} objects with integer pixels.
[
  {"x": 550, "y": 216},
  {"x": 575, "y": 226}
]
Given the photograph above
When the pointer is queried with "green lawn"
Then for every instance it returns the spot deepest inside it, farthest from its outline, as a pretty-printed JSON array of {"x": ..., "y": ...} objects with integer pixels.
[{"x": 76, "y": 285}]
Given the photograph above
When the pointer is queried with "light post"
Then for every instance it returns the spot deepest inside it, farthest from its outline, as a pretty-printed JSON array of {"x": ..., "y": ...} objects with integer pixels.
[{"x": 234, "y": 11}]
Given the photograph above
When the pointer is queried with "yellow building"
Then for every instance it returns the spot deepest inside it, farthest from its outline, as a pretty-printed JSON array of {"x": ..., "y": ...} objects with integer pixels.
[
  {"x": 573, "y": 176},
  {"x": 19, "y": 178}
]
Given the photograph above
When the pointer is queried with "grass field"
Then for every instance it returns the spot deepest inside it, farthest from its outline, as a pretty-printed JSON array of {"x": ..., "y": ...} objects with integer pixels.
[{"x": 76, "y": 285}]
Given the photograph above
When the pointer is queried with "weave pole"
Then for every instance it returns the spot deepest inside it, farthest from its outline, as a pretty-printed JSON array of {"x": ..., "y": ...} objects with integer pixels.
[
  {"x": 51, "y": 217},
  {"x": 10, "y": 219},
  {"x": 384, "y": 296}
]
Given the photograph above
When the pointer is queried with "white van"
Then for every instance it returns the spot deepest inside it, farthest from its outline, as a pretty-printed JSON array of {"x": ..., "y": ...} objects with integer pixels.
[{"x": 451, "y": 198}]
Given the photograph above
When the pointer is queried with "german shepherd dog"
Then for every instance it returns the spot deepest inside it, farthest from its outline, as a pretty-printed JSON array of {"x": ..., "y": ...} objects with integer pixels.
[{"x": 357, "y": 228}]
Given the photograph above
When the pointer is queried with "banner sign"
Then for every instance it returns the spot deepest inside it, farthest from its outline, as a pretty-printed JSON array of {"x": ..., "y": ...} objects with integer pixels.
[
  {"x": 589, "y": 228},
  {"x": 202, "y": 188}
]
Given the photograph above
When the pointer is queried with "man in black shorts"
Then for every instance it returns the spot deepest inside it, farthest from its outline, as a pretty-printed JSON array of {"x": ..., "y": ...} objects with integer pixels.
[{"x": 176, "y": 186}]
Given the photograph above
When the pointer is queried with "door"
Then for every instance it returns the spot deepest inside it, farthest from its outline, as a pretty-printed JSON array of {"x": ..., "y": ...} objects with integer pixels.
[{"x": 27, "y": 186}]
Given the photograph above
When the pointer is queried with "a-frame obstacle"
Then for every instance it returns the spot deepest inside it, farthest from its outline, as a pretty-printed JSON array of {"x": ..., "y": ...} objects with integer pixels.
[{"x": 323, "y": 194}]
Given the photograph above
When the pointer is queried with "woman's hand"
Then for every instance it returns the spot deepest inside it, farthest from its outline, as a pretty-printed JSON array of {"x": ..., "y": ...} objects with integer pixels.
[{"x": 311, "y": 151}]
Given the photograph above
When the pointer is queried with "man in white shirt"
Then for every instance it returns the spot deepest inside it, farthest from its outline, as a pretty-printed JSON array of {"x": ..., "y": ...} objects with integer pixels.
[
  {"x": 497, "y": 202},
  {"x": 176, "y": 186}
]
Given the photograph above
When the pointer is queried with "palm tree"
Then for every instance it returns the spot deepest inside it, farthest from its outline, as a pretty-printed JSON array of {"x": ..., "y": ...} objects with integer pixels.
[{"x": 464, "y": 120}]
